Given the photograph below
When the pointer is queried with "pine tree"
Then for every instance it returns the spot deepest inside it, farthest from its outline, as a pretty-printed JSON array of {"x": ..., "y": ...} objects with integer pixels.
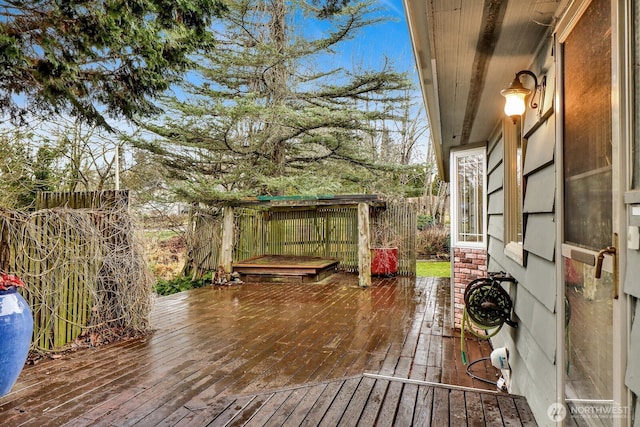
[{"x": 268, "y": 113}]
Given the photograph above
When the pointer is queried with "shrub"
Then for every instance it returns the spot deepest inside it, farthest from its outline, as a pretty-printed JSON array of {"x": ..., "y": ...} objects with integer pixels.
[
  {"x": 425, "y": 221},
  {"x": 179, "y": 284},
  {"x": 433, "y": 241}
]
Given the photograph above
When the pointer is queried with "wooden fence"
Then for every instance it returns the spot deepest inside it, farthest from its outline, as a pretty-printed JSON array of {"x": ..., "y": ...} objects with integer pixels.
[
  {"x": 61, "y": 255},
  {"x": 330, "y": 232},
  {"x": 205, "y": 234},
  {"x": 104, "y": 200}
]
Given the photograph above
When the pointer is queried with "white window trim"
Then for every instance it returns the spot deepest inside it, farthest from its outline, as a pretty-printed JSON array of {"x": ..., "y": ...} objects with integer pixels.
[
  {"x": 515, "y": 251},
  {"x": 453, "y": 197}
]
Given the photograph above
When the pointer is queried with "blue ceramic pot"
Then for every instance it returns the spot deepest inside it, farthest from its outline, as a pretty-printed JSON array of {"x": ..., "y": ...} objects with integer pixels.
[{"x": 16, "y": 328}]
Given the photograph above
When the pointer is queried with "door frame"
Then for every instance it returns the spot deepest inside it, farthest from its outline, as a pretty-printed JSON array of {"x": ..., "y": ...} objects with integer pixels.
[{"x": 622, "y": 132}]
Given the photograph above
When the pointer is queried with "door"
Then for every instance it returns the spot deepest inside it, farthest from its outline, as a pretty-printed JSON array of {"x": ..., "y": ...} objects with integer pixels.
[{"x": 589, "y": 241}]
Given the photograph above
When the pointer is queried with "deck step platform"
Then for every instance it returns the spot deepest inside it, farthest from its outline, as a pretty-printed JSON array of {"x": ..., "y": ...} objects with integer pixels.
[{"x": 285, "y": 269}]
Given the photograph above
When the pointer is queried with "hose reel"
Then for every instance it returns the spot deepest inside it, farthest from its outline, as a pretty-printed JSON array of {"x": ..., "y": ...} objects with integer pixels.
[{"x": 486, "y": 306}]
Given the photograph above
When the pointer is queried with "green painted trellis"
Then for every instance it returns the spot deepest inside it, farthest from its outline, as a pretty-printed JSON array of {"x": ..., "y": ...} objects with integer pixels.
[{"x": 323, "y": 232}]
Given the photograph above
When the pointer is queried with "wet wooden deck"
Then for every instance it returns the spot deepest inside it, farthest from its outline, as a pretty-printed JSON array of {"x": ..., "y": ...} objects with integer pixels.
[{"x": 275, "y": 354}]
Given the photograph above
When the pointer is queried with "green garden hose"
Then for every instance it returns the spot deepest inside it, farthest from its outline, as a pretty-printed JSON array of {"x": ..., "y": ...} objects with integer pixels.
[
  {"x": 468, "y": 323},
  {"x": 486, "y": 306}
]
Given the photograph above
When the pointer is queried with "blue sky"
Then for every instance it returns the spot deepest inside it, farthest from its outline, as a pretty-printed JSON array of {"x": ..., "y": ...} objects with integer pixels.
[{"x": 390, "y": 38}]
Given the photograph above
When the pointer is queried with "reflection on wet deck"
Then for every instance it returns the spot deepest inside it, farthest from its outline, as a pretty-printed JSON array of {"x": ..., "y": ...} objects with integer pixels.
[{"x": 214, "y": 344}]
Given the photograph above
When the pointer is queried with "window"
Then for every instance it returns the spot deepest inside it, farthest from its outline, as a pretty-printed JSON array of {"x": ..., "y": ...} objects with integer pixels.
[
  {"x": 468, "y": 198},
  {"x": 587, "y": 133},
  {"x": 513, "y": 189}
]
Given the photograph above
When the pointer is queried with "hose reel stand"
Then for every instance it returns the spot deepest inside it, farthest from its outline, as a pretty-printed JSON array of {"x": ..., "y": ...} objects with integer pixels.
[{"x": 487, "y": 306}]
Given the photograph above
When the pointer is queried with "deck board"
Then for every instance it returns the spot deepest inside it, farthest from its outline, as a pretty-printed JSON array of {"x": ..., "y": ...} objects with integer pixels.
[
  {"x": 357, "y": 402},
  {"x": 473, "y": 406},
  {"x": 340, "y": 402},
  {"x": 374, "y": 403},
  {"x": 274, "y": 354},
  {"x": 407, "y": 405}
]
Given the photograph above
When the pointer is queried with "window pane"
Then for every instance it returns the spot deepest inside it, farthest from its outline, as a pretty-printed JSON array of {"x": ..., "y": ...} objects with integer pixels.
[
  {"x": 470, "y": 198},
  {"x": 587, "y": 130}
]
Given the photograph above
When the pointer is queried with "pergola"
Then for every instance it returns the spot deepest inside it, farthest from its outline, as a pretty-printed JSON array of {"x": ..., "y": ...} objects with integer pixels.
[{"x": 361, "y": 202}]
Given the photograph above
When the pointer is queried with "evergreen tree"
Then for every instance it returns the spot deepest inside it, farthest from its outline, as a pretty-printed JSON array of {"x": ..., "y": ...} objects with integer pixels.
[
  {"x": 269, "y": 113},
  {"x": 96, "y": 58},
  {"x": 25, "y": 169}
]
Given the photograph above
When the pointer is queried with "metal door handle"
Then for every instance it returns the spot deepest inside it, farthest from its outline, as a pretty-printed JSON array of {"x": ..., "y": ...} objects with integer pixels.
[
  {"x": 611, "y": 250},
  {"x": 608, "y": 250}
]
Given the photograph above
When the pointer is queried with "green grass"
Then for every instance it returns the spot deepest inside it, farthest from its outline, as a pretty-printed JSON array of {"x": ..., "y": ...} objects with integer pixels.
[{"x": 433, "y": 269}]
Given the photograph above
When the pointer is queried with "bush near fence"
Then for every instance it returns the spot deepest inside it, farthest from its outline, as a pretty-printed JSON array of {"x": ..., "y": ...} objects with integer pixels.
[{"x": 434, "y": 242}]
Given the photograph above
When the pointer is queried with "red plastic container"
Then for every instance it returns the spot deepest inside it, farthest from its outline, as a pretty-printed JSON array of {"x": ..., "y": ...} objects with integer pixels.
[{"x": 384, "y": 261}]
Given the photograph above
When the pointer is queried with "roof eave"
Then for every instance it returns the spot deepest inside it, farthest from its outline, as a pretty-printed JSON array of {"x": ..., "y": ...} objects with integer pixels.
[{"x": 425, "y": 65}]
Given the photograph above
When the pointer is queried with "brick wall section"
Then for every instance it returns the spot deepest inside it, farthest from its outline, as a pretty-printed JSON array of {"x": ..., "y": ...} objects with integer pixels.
[{"x": 468, "y": 264}]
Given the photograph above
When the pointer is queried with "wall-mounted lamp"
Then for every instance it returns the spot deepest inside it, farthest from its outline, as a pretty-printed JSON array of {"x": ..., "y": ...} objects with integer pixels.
[{"x": 516, "y": 94}]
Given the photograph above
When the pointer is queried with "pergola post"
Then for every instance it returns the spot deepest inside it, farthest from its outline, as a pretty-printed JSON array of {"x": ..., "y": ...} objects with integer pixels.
[
  {"x": 228, "y": 227},
  {"x": 364, "y": 246}
]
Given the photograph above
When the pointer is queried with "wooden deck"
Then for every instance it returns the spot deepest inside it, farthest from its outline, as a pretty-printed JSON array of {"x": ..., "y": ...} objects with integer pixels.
[
  {"x": 366, "y": 400},
  {"x": 275, "y": 354}
]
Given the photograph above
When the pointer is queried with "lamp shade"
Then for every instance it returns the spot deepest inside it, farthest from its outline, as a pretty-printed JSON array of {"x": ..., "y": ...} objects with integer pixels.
[
  {"x": 515, "y": 96},
  {"x": 514, "y": 104}
]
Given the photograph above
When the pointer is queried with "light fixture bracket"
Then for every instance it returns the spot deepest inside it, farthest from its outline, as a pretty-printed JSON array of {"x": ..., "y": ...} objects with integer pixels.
[{"x": 532, "y": 104}]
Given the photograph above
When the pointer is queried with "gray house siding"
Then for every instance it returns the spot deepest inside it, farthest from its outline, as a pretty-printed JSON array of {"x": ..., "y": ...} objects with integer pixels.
[
  {"x": 532, "y": 346},
  {"x": 633, "y": 367},
  {"x": 632, "y": 287}
]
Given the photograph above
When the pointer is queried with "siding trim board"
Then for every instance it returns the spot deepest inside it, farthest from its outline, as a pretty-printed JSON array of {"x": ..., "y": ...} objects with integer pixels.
[
  {"x": 540, "y": 236},
  {"x": 496, "y": 179},
  {"x": 540, "y": 147},
  {"x": 632, "y": 287},
  {"x": 494, "y": 156},
  {"x": 496, "y": 226},
  {"x": 538, "y": 197},
  {"x": 496, "y": 202}
]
